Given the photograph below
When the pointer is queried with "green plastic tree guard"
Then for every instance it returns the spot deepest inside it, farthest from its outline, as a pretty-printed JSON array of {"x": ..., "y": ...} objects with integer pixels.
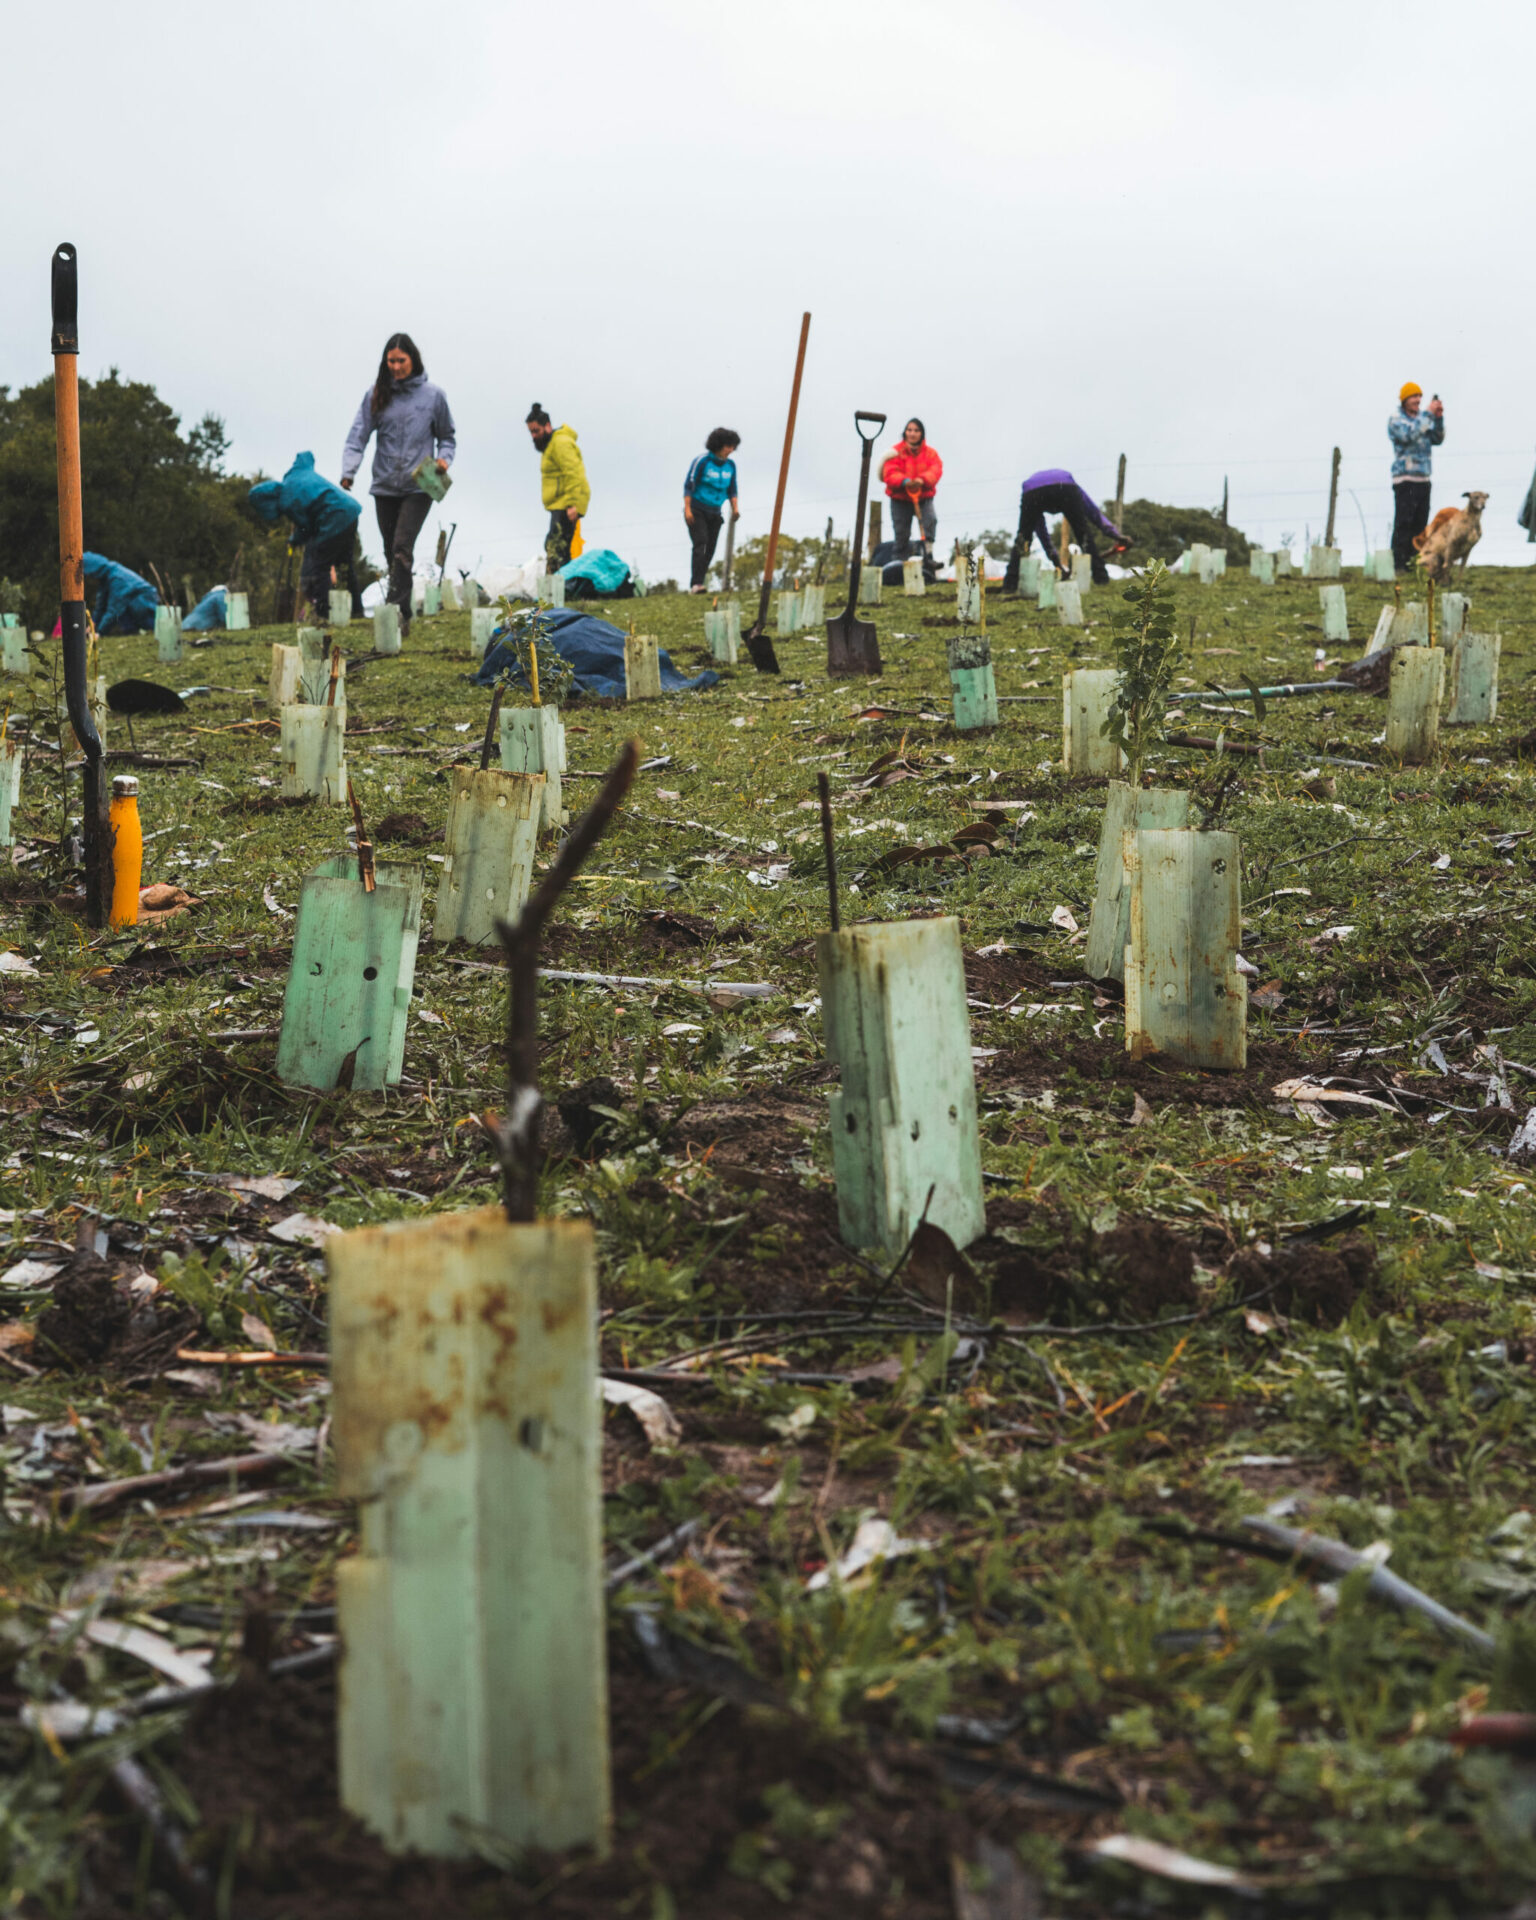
[
  {"x": 1335, "y": 613},
  {"x": 1453, "y": 617},
  {"x": 1218, "y": 563},
  {"x": 1082, "y": 572},
  {"x": 1029, "y": 576},
  {"x": 1195, "y": 559},
  {"x": 1125, "y": 810},
  {"x": 1261, "y": 567},
  {"x": 551, "y": 589},
  {"x": 1047, "y": 587},
  {"x": 1283, "y": 565},
  {"x": 283, "y": 681},
  {"x": 473, "y": 1683},
  {"x": 10, "y": 790},
  {"x": 1085, "y": 696},
  {"x": 15, "y": 654},
  {"x": 492, "y": 832},
  {"x": 168, "y": 635},
  {"x": 1476, "y": 670},
  {"x": 349, "y": 982},
  {"x": 786, "y": 613},
  {"x": 722, "y": 629},
  {"x": 642, "y": 667},
  {"x": 448, "y": 588},
  {"x": 871, "y": 579},
  {"x": 912, "y": 581},
  {"x": 340, "y": 607},
  {"x": 418, "y": 597},
  {"x": 237, "y": 611},
  {"x": 1323, "y": 563},
  {"x": 313, "y": 644},
  {"x": 482, "y": 624},
  {"x": 1184, "y": 996},
  {"x": 972, "y": 684},
  {"x": 904, "y": 1116},
  {"x": 431, "y": 599},
  {"x": 386, "y": 628},
  {"x": 533, "y": 741},
  {"x": 1413, "y": 704},
  {"x": 1069, "y": 603},
  {"x": 1382, "y": 637},
  {"x": 313, "y": 751},
  {"x": 813, "y": 607},
  {"x": 1410, "y": 625}
]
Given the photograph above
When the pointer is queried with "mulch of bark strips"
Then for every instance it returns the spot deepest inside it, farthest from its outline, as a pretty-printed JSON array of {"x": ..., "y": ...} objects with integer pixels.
[{"x": 700, "y": 1787}]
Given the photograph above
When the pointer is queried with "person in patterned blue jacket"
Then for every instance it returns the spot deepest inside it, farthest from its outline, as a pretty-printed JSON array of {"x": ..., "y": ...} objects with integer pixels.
[
  {"x": 1413, "y": 435},
  {"x": 709, "y": 484}
]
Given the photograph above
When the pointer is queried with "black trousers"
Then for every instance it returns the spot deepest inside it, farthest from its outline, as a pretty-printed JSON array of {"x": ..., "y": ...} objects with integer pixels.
[
  {"x": 401, "y": 518},
  {"x": 315, "y": 574},
  {"x": 1033, "y": 507},
  {"x": 1412, "y": 498},
  {"x": 557, "y": 542},
  {"x": 704, "y": 533}
]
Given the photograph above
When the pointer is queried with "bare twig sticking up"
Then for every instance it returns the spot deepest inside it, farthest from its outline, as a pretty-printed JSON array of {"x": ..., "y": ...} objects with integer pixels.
[{"x": 516, "y": 1135}]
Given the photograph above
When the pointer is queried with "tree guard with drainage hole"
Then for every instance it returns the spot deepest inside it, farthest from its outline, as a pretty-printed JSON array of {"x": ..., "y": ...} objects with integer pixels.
[
  {"x": 1125, "y": 810},
  {"x": 1475, "y": 670},
  {"x": 904, "y": 1115},
  {"x": 492, "y": 832},
  {"x": 1414, "y": 693},
  {"x": 349, "y": 983},
  {"x": 533, "y": 741},
  {"x": 1184, "y": 996},
  {"x": 972, "y": 683}
]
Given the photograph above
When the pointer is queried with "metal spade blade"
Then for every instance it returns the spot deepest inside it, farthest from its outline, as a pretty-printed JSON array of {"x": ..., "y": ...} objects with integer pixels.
[{"x": 853, "y": 646}]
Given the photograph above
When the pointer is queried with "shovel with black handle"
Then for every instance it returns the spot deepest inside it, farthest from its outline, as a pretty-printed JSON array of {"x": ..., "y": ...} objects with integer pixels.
[{"x": 853, "y": 646}]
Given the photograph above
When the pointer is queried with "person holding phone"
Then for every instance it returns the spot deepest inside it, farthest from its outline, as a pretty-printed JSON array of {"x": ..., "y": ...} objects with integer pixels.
[
  {"x": 413, "y": 423},
  {"x": 1414, "y": 430}
]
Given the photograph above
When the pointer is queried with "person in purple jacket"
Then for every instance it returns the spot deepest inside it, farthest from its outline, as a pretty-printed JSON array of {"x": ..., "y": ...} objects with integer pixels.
[{"x": 1053, "y": 490}]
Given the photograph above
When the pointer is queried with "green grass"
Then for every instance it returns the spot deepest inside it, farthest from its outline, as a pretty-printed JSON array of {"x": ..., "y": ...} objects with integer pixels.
[{"x": 1244, "y": 1715}]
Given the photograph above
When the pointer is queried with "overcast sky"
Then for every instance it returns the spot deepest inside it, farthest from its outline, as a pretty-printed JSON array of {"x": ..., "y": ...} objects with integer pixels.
[{"x": 1215, "y": 238}]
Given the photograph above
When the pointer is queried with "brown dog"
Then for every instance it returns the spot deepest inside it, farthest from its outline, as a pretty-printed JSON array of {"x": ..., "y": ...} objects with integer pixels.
[{"x": 1450, "y": 537}]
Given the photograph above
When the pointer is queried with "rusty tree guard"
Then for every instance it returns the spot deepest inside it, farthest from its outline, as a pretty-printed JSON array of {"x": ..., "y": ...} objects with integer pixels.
[
  {"x": 72, "y": 621},
  {"x": 516, "y": 1135}
]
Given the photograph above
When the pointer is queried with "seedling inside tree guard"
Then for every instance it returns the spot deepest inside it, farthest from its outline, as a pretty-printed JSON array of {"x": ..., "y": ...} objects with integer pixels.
[{"x": 1146, "y": 645}]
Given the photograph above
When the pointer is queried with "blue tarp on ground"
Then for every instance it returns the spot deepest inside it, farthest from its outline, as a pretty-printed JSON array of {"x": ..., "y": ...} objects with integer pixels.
[
  {"x": 207, "y": 614},
  {"x": 602, "y": 567},
  {"x": 124, "y": 602},
  {"x": 594, "y": 648}
]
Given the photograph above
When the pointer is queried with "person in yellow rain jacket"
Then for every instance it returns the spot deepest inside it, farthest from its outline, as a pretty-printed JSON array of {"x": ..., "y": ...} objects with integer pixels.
[{"x": 563, "y": 477}]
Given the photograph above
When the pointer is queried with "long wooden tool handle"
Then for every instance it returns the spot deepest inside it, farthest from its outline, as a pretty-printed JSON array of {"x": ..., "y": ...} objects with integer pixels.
[
  {"x": 73, "y": 627},
  {"x": 778, "y": 498}
]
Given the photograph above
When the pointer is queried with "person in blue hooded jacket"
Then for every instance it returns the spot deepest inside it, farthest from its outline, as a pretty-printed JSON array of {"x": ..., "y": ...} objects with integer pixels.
[
  {"x": 125, "y": 602},
  {"x": 324, "y": 523},
  {"x": 413, "y": 423}
]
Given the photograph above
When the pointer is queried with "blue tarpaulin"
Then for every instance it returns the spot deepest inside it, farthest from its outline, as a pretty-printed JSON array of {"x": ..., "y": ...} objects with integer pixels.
[
  {"x": 594, "y": 648},
  {"x": 602, "y": 568},
  {"x": 207, "y": 614},
  {"x": 124, "y": 602}
]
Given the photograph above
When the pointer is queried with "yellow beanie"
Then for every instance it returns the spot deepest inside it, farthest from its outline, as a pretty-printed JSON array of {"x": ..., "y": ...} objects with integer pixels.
[{"x": 1410, "y": 388}]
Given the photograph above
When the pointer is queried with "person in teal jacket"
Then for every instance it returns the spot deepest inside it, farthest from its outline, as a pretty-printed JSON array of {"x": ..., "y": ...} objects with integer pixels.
[{"x": 324, "y": 522}]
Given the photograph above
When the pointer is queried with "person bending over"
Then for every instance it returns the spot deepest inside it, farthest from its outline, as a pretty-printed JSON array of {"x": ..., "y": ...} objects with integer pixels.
[
  {"x": 563, "y": 483},
  {"x": 1053, "y": 490},
  {"x": 911, "y": 472},
  {"x": 1413, "y": 435},
  {"x": 708, "y": 485},
  {"x": 324, "y": 521},
  {"x": 413, "y": 423}
]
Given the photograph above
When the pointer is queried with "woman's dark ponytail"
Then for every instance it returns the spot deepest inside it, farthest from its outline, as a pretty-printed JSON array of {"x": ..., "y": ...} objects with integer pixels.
[{"x": 384, "y": 385}]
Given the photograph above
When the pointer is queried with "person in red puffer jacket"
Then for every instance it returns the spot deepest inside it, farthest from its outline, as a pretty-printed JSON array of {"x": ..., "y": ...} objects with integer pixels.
[{"x": 911, "y": 472}]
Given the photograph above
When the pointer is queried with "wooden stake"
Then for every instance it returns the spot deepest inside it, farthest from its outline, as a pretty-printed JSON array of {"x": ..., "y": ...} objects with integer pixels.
[
  {"x": 874, "y": 529},
  {"x": 824, "y": 788},
  {"x": 491, "y": 739},
  {"x": 1120, "y": 495},
  {"x": 1333, "y": 498},
  {"x": 365, "y": 871}
]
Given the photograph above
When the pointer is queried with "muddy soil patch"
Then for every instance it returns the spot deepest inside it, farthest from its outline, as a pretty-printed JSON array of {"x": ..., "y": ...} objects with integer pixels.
[
  {"x": 753, "y": 1817},
  {"x": 1093, "y": 1069}
]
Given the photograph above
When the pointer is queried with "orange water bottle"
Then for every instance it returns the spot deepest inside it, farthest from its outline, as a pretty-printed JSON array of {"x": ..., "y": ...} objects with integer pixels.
[{"x": 127, "y": 851}]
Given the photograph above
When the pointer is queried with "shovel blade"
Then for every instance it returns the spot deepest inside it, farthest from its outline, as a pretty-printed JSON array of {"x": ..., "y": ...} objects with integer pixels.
[
  {"x": 760, "y": 647},
  {"x": 853, "y": 646}
]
